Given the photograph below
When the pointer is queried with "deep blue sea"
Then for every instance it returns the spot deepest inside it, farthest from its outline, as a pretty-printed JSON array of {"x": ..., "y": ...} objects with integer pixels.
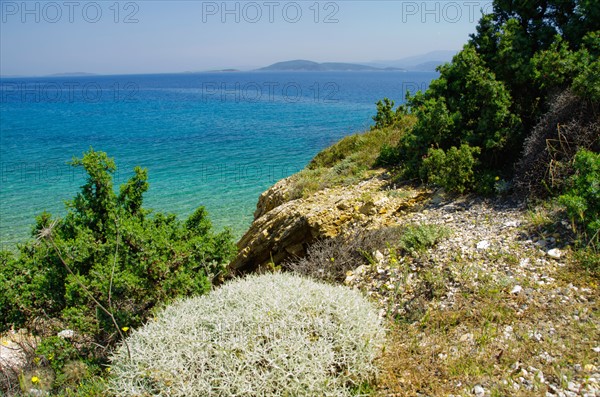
[{"x": 213, "y": 139}]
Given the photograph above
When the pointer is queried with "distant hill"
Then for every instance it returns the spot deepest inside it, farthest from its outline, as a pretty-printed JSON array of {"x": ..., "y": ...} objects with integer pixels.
[
  {"x": 310, "y": 66},
  {"x": 71, "y": 74},
  {"x": 424, "y": 62}
]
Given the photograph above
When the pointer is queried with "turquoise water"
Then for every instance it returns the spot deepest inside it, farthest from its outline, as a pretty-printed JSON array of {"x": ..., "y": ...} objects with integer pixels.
[{"x": 212, "y": 139}]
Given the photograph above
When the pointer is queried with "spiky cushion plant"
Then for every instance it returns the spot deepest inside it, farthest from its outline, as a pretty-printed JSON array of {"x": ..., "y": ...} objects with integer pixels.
[{"x": 267, "y": 335}]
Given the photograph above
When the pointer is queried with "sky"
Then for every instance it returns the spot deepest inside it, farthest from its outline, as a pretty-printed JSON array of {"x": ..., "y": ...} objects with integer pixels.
[{"x": 162, "y": 36}]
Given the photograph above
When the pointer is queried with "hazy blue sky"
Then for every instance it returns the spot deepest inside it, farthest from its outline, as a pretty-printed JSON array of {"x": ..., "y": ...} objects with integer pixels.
[{"x": 108, "y": 37}]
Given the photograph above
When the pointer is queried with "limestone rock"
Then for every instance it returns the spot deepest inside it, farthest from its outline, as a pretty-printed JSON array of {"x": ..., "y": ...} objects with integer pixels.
[
  {"x": 272, "y": 198},
  {"x": 283, "y": 229}
]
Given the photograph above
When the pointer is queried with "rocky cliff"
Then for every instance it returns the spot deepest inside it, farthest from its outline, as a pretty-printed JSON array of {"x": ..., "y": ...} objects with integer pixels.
[{"x": 283, "y": 229}]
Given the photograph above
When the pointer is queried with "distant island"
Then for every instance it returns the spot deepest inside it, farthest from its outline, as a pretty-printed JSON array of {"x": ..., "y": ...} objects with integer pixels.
[
  {"x": 72, "y": 74},
  {"x": 310, "y": 66},
  {"x": 224, "y": 70},
  {"x": 418, "y": 63}
]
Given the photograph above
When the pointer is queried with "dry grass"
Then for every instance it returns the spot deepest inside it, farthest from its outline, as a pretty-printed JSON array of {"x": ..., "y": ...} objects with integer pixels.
[{"x": 348, "y": 161}]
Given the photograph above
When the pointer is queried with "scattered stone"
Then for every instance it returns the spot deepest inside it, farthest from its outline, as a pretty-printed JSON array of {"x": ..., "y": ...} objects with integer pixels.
[
  {"x": 66, "y": 334},
  {"x": 479, "y": 391},
  {"x": 468, "y": 337},
  {"x": 554, "y": 253},
  {"x": 516, "y": 290},
  {"x": 483, "y": 245},
  {"x": 524, "y": 262}
]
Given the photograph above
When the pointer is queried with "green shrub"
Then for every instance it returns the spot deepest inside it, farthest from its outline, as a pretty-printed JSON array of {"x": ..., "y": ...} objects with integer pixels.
[
  {"x": 589, "y": 258},
  {"x": 91, "y": 387},
  {"x": 453, "y": 169},
  {"x": 418, "y": 238},
  {"x": 582, "y": 198},
  {"x": 269, "y": 335},
  {"x": 386, "y": 115},
  {"x": 56, "y": 351},
  {"x": 102, "y": 268},
  {"x": 466, "y": 107}
]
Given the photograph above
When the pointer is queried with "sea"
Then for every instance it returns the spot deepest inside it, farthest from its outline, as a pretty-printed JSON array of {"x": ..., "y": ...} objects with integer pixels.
[{"x": 214, "y": 139}]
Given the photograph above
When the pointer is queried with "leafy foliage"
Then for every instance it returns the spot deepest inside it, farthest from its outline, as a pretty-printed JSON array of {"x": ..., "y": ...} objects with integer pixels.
[
  {"x": 418, "y": 238},
  {"x": 386, "y": 115},
  {"x": 103, "y": 268},
  {"x": 496, "y": 90},
  {"x": 582, "y": 198},
  {"x": 465, "y": 106},
  {"x": 453, "y": 169}
]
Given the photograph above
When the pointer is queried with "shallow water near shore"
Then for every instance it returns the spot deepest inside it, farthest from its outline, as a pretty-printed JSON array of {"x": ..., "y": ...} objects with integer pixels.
[{"x": 212, "y": 139}]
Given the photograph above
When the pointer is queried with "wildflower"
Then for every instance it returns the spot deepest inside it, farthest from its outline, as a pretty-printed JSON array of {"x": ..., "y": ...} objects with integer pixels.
[
  {"x": 497, "y": 178},
  {"x": 125, "y": 329},
  {"x": 35, "y": 380}
]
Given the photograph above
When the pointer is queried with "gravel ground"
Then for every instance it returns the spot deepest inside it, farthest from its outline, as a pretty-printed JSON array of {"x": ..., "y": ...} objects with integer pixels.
[{"x": 496, "y": 247}]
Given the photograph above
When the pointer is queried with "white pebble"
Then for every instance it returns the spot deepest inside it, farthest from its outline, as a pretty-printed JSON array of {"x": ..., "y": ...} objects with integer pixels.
[
  {"x": 516, "y": 289},
  {"x": 483, "y": 244},
  {"x": 554, "y": 253}
]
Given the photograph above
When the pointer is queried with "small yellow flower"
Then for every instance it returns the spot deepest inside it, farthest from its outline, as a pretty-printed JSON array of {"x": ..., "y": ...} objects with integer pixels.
[
  {"x": 4, "y": 343},
  {"x": 108, "y": 369},
  {"x": 125, "y": 329},
  {"x": 497, "y": 178},
  {"x": 35, "y": 380},
  {"x": 332, "y": 259}
]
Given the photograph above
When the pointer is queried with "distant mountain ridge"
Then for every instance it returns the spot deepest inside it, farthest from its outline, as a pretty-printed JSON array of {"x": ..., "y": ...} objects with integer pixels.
[
  {"x": 423, "y": 62},
  {"x": 310, "y": 66}
]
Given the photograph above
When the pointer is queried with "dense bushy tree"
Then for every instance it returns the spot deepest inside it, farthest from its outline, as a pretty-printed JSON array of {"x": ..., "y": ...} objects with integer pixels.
[
  {"x": 466, "y": 105},
  {"x": 498, "y": 87},
  {"x": 516, "y": 31}
]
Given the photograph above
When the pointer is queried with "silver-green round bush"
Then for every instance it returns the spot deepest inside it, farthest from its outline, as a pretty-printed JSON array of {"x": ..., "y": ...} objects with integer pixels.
[{"x": 267, "y": 335}]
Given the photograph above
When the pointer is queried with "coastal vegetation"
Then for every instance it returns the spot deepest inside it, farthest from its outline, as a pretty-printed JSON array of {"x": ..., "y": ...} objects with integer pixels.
[
  {"x": 98, "y": 273},
  {"x": 476, "y": 293},
  {"x": 268, "y": 335}
]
